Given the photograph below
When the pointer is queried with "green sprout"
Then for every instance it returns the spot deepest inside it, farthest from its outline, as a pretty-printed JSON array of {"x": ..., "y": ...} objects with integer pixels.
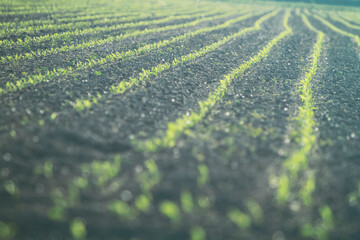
[
  {"x": 122, "y": 209},
  {"x": 143, "y": 203},
  {"x": 150, "y": 178},
  {"x": 170, "y": 210},
  {"x": 323, "y": 227},
  {"x": 307, "y": 190},
  {"x": 241, "y": 220},
  {"x": 203, "y": 175},
  {"x": 255, "y": 211},
  {"x": 187, "y": 202},
  {"x": 11, "y": 187},
  {"x": 57, "y": 211},
  {"x": 78, "y": 229},
  {"x": 7, "y": 231},
  {"x": 103, "y": 171},
  {"x": 198, "y": 233},
  {"x": 179, "y": 126},
  {"x": 46, "y": 169}
]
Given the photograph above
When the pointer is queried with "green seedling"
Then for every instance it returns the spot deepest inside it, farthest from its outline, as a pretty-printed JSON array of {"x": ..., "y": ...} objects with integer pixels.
[
  {"x": 203, "y": 175},
  {"x": 283, "y": 189},
  {"x": 240, "y": 219},
  {"x": 307, "y": 189},
  {"x": 11, "y": 187},
  {"x": 187, "y": 203},
  {"x": 53, "y": 116},
  {"x": 354, "y": 197},
  {"x": 46, "y": 169},
  {"x": 41, "y": 122},
  {"x": 178, "y": 127},
  {"x": 338, "y": 30},
  {"x": 255, "y": 211},
  {"x": 81, "y": 104},
  {"x": 252, "y": 131},
  {"x": 323, "y": 227},
  {"x": 78, "y": 229},
  {"x": 103, "y": 171},
  {"x": 57, "y": 211},
  {"x": 150, "y": 178},
  {"x": 123, "y": 210},
  {"x": 346, "y": 23},
  {"x": 197, "y": 233},
  {"x": 85, "y": 28},
  {"x": 7, "y": 231},
  {"x": 143, "y": 203},
  {"x": 203, "y": 202},
  {"x": 170, "y": 210},
  {"x": 298, "y": 160},
  {"x": 50, "y": 75},
  {"x": 154, "y": 71},
  {"x": 34, "y": 79}
]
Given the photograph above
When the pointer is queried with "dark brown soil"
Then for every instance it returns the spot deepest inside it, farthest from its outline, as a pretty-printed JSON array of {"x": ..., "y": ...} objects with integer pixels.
[{"x": 243, "y": 140}]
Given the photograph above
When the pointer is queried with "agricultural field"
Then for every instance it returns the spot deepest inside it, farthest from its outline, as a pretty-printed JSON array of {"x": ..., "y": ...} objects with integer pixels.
[{"x": 166, "y": 119}]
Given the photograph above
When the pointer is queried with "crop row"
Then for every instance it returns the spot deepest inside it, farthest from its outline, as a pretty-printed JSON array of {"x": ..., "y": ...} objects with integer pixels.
[
  {"x": 67, "y": 36},
  {"x": 338, "y": 19},
  {"x": 85, "y": 12},
  {"x": 75, "y": 19},
  {"x": 34, "y": 79},
  {"x": 349, "y": 16},
  {"x": 346, "y": 23},
  {"x": 356, "y": 38},
  {"x": 54, "y": 13},
  {"x": 112, "y": 26},
  {"x": 73, "y": 10},
  {"x": 121, "y": 87},
  {"x": 33, "y": 11},
  {"x": 355, "y": 19},
  {"x": 84, "y": 32},
  {"x": 107, "y": 174},
  {"x": 298, "y": 160},
  {"x": 99, "y": 17},
  {"x": 176, "y": 128},
  {"x": 86, "y": 25}
]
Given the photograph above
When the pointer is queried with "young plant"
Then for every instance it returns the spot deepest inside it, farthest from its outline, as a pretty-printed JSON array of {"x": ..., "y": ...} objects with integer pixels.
[
  {"x": 240, "y": 219},
  {"x": 187, "y": 203},
  {"x": 298, "y": 160},
  {"x": 179, "y": 126},
  {"x": 197, "y": 233},
  {"x": 78, "y": 229},
  {"x": 171, "y": 210}
]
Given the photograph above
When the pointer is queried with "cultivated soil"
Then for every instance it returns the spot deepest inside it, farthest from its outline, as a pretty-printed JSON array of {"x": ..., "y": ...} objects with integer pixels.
[{"x": 243, "y": 141}]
